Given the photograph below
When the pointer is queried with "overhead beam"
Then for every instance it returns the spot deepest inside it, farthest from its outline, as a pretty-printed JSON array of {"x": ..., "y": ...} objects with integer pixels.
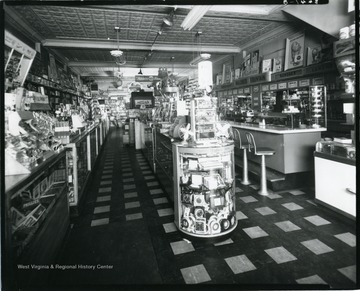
[
  {"x": 128, "y": 65},
  {"x": 96, "y": 44}
]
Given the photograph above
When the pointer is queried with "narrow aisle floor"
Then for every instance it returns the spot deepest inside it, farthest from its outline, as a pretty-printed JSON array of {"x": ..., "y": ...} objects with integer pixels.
[{"x": 126, "y": 235}]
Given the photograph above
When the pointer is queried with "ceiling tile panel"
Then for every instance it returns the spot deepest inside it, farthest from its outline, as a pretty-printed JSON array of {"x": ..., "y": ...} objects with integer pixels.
[{"x": 140, "y": 24}]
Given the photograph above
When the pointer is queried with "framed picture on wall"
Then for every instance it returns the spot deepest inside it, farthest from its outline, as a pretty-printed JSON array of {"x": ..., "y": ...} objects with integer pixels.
[
  {"x": 294, "y": 52},
  {"x": 313, "y": 55},
  {"x": 226, "y": 77}
]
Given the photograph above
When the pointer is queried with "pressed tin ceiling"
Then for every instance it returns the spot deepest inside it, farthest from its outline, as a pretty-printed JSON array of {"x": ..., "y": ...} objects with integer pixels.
[{"x": 83, "y": 35}]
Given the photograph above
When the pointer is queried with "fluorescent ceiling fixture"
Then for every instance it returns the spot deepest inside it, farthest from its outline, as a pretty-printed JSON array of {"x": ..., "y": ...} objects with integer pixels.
[
  {"x": 194, "y": 16},
  {"x": 248, "y": 9}
]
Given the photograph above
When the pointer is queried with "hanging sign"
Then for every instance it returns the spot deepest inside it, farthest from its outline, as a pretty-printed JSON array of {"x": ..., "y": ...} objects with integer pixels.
[
  {"x": 318, "y": 81},
  {"x": 320, "y": 68},
  {"x": 18, "y": 45},
  {"x": 288, "y": 74},
  {"x": 240, "y": 91},
  {"x": 304, "y": 83},
  {"x": 292, "y": 84},
  {"x": 273, "y": 86},
  {"x": 282, "y": 85},
  {"x": 265, "y": 88},
  {"x": 247, "y": 90},
  {"x": 243, "y": 81},
  {"x": 144, "y": 78}
]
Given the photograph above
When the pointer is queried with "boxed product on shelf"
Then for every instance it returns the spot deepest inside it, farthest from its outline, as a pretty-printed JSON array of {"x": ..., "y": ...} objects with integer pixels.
[
  {"x": 213, "y": 181},
  {"x": 16, "y": 217},
  {"x": 217, "y": 201},
  {"x": 30, "y": 205},
  {"x": 209, "y": 163},
  {"x": 192, "y": 164},
  {"x": 196, "y": 180}
]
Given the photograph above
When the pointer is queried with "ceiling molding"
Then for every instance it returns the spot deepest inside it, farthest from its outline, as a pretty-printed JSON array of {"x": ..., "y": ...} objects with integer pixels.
[
  {"x": 147, "y": 46},
  {"x": 276, "y": 33},
  {"x": 113, "y": 64},
  {"x": 27, "y": 30}
]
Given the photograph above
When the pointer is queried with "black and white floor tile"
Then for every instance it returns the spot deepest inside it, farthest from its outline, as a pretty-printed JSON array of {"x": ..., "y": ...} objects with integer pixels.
[{"x": 128, "y": 222}]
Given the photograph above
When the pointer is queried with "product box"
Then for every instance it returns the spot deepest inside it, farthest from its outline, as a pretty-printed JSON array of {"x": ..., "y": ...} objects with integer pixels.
[
  {"x": 237, "y": 73},
  {"x": 36, "y": 191},
  {"x": 16, "y": 217},
  {"x": 196, "y": 180},
  {"x": 255, "y": 68},
  {"x": 266, "y": 65},
  {"x": 210, "y": 182},
  {"x": 276, "y": 65}
]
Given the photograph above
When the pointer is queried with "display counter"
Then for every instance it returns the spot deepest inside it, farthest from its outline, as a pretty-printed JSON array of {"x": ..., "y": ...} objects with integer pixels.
[
  {"x": 147, "y": 139},
  {"x": 81, "y": 158},
  {"x": 36, "y": 217},
  {"x": 293, "y": 147},
  {"x": 163, "y": 157},
  {"x": 204, "y": 189},
  {"x": 335, "y": 177},
  {"x": 38, "y": 204}
]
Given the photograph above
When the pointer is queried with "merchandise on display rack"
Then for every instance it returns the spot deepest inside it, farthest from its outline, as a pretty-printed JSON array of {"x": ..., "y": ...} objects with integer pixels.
[{"x": 204, "y": 190}]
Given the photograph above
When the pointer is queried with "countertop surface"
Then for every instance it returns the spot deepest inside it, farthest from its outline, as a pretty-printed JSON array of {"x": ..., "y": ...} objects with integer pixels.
[{"x": 275, "y": 128}]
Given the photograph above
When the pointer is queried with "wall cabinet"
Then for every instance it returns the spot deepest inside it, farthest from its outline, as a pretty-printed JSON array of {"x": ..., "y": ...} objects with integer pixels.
[{"x": 335, "y": 183}]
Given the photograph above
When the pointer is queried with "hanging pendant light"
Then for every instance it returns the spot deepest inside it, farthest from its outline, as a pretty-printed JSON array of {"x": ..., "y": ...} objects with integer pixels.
[
  {"x": 118, "y": 54},
  {"x": 169, "y": 20},
  {"x": 140, "y": 72}
]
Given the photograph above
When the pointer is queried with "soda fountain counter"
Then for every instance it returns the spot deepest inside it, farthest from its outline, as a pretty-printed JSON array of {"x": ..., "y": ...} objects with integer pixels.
[
  {"x": 292, "y": 132},
  {"x": 293, "y": 147},
  {"x": 204, "y": 189},
  {"x": 335, "y": 177}
]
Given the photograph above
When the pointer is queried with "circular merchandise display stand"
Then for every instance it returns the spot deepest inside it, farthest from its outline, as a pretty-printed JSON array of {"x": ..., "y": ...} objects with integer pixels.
[{"x": 204, "y": 188}]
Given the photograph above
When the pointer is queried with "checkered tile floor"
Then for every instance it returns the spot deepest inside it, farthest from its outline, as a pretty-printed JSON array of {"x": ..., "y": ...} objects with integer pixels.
[{"x": 128, "y": 223}]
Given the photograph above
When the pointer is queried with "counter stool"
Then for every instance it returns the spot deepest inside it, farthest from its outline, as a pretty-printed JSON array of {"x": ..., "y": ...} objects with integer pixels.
[
  {"x": 245, "y": 147},
  {"x": 260, "y": 151}
]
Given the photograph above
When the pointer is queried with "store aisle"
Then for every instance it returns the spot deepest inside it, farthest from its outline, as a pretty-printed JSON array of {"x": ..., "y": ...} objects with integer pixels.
[{"x": 126, "y": 235}]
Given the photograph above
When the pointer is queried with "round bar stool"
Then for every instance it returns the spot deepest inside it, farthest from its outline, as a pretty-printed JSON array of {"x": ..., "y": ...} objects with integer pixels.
[
  {"x": 245, "y": 147},
  {"x": 260, "y": 151}
]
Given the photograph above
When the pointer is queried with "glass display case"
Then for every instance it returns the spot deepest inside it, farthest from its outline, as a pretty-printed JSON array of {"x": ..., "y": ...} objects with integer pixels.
[
  {"x": 317, "y": 106},
  {"x": 81, "y": 157},
  {"x": 78, "y": 172},
  {"x": 204, "y": 189},
  {"x": 164, "y": 161},
  {"x": 148, "y": 150},
  {"x": 36, "y": 216},
  {"x": 203, "y": 117},
  {"x": 303, "y": 107}
]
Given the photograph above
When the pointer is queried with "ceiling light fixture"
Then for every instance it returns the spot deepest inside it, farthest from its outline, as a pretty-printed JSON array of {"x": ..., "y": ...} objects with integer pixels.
[
  {"x": 194, "y": 16},
  {"x": 140, "y": 72},
  {"x": 201, "y": 56},
  {"x": 118, "y": 54},
  {"x": 169, "y": 20}
]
